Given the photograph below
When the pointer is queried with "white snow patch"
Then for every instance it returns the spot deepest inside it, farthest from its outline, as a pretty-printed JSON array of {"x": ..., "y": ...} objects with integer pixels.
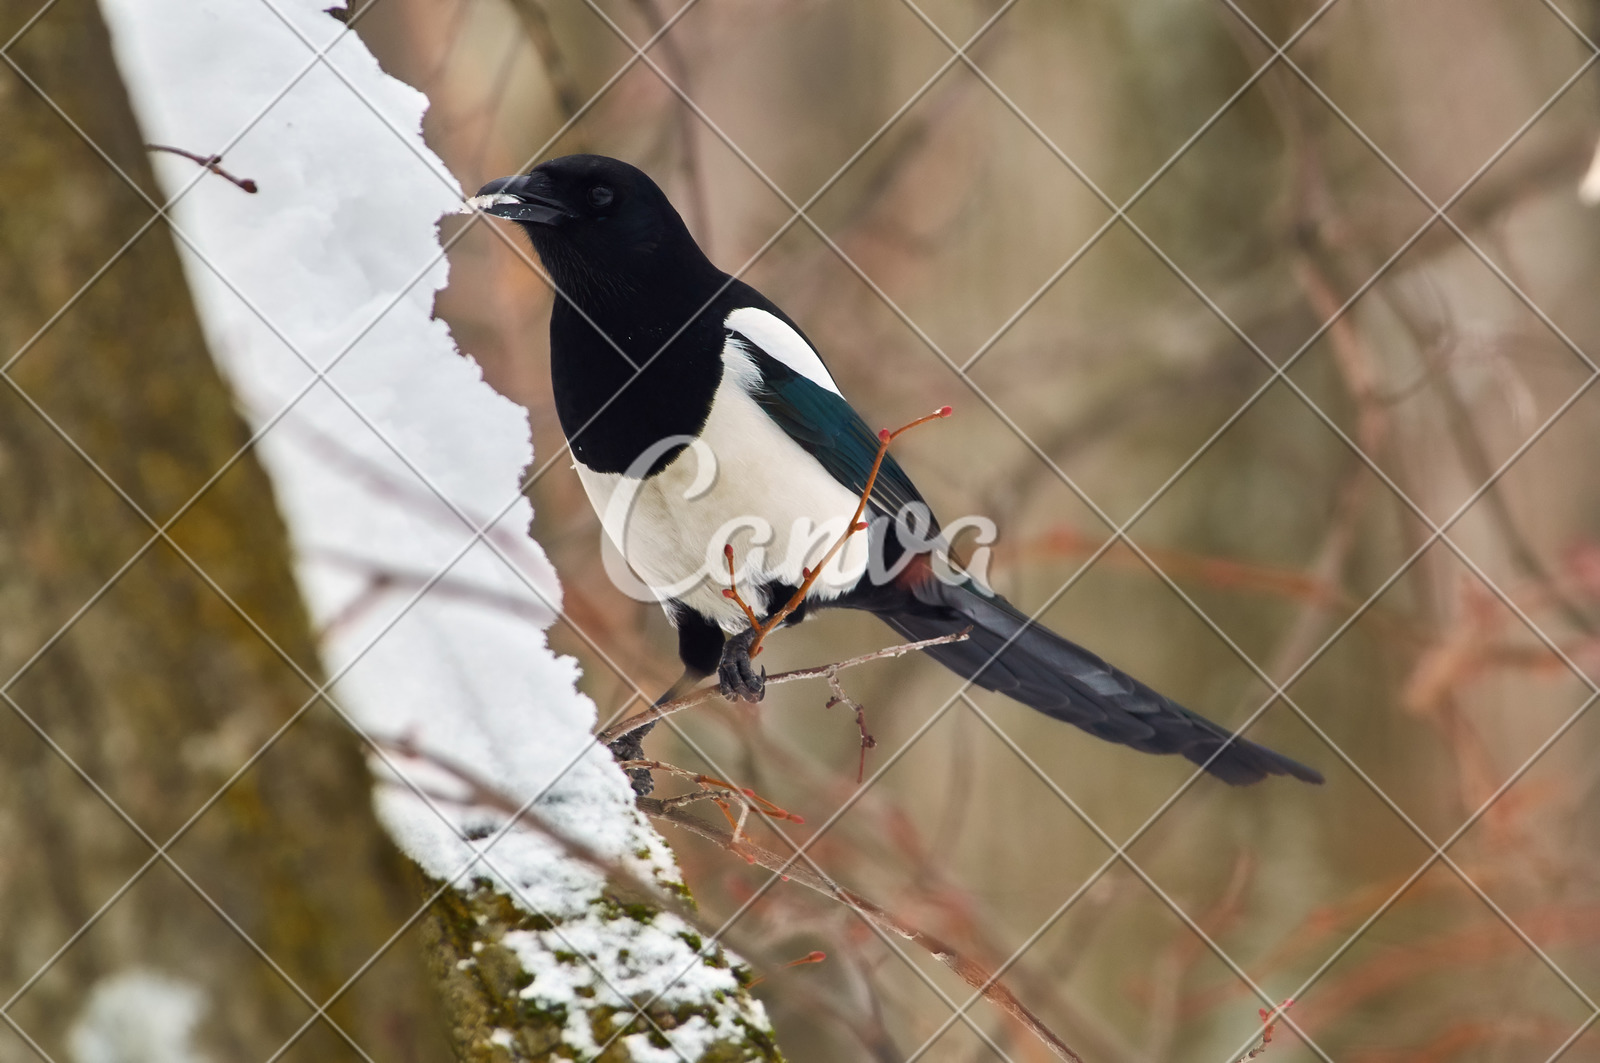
[
  {"x": 390, "y": 463},
  {"x": 689, "y": 1041},
  {"x": 493, "y": 199},
  {"x": 138, "y": 1017}
]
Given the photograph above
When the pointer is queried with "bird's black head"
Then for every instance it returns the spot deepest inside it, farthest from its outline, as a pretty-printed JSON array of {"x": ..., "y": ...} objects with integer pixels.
[{"x": 602, "y": 227}]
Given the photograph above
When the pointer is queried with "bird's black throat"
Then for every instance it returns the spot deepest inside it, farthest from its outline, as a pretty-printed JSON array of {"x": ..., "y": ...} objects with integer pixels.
[{"x": 628, "y": 370}]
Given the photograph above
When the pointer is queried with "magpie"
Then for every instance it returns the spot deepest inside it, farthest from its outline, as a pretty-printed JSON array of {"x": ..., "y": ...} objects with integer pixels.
[{"x": 701, "y": 418}]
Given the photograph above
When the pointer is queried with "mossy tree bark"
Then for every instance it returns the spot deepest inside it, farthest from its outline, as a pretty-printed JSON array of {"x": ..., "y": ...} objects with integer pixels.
[{"x": 155, "y": 683}]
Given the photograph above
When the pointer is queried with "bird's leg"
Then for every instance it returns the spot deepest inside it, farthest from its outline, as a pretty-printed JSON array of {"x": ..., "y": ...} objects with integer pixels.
[
  {"x": 631, "y": 745},
  {"x": 736, "y": 675}
]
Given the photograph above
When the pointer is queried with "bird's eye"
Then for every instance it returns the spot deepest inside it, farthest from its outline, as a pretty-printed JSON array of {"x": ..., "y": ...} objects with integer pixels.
[{"x": 601, "y": 196}]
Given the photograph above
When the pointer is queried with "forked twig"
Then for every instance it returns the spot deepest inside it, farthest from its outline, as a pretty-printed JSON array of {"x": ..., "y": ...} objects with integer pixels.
[
  {"x": 695, "y": 697},
  {"x": 867, "y": 741},
  {"x": 718, "y": 791}
]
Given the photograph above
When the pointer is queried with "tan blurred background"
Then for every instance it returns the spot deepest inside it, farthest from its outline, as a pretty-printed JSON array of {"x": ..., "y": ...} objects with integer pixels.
[{"x": 1260, "y": 534}]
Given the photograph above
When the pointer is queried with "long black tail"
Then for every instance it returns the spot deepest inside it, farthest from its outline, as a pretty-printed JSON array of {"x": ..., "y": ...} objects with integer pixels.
[{"x": 1043, "y": 670}]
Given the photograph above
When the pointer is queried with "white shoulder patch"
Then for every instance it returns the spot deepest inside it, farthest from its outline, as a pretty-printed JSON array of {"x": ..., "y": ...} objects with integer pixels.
[{"x": 774, "y": 336}]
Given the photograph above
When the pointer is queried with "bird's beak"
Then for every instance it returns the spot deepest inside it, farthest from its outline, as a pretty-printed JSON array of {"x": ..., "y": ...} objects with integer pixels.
[{"x": 517, "y": 199}]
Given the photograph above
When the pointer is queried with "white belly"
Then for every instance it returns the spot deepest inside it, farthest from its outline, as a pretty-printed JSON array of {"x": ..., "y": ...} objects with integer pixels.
[{"x": 746, "y": 484}]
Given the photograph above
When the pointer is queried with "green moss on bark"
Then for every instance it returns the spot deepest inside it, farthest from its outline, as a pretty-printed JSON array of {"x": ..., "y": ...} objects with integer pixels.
[{"x": 482, "y": 982}]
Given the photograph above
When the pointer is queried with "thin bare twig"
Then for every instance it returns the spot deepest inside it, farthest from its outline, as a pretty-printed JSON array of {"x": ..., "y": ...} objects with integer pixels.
[
  {"x": 695, "y": 697},
  {"x": 976, "y": 976},
  {"x": 1269, "y": 1020},
  {"x": 719, "y": 791},
  {"x": 867, "y": 741},
  {"x": 210, "y": 162}
]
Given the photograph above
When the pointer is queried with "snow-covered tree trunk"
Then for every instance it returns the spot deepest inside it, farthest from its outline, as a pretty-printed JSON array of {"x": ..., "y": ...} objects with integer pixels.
[
  {"x": 398, "y": 470},
  {"x": 133, "y": 692}
]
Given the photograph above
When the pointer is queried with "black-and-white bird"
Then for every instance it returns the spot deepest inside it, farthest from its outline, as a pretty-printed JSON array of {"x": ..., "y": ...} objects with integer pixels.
[{"x": 700, "y": 416}]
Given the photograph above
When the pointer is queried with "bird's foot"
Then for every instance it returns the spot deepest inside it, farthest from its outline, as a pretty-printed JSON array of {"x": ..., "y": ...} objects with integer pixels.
[
  {"x": 737, "y": 677},
  {"x": 631, "y": 747}
]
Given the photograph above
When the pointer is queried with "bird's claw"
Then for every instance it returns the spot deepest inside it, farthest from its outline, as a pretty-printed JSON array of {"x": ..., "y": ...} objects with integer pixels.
[
  {"x": 631, "y": 747},
  {"x": 737, "y": 677}
]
